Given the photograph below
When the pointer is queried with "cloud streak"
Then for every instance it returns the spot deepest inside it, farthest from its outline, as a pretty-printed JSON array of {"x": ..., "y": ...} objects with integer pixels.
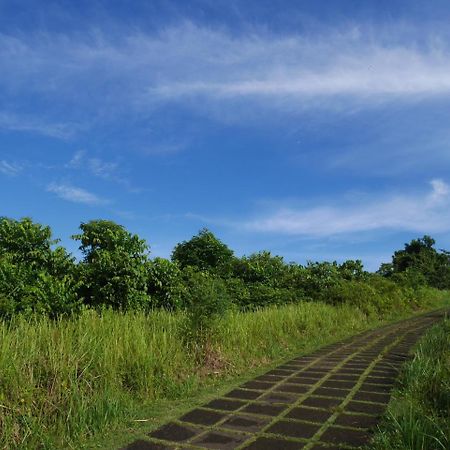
[
  {"x": 427, "y": 213},
  {"x": 75, "y": 194},
  {"x": 9, "y": 168},
  {"x": 187, "y": 62}
]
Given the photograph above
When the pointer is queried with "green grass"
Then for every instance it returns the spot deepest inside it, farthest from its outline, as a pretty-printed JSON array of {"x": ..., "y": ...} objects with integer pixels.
[
  {"x": 63, "y": 383},
  {"x": 418, "y": 417}
]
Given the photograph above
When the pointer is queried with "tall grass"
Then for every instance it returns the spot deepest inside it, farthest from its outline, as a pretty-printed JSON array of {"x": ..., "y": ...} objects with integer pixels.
[
  {"x": 418, "y": 417},
  {"x": 63, "y": 381}
]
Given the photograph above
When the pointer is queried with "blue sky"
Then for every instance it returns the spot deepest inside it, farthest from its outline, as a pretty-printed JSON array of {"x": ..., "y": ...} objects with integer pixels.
[{"x": 316, "y": 130}]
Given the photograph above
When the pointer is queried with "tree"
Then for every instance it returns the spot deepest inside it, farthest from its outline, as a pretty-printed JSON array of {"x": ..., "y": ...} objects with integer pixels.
[
  {"x": 420, "y": 260},
  {"x": 261, "y": 267},
  {"x": 204, "y": 252},
  {"x": 114, "y": 265},
  {"x": 34, "y": 276}
]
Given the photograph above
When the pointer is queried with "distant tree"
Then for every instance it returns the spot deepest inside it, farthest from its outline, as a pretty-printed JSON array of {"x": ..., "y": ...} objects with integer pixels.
[
  {"x": 420, "y": 260},
  {"x": 165, "y": 284},
  {"x": 114, "y": 267},
  {"x": 261, "y": 267},
  {"x": 31, "y": 243},
  {"x": 35, "y": 277},
  {"x": 204, "y": 252},
  {"x": 352, "y": 270}
]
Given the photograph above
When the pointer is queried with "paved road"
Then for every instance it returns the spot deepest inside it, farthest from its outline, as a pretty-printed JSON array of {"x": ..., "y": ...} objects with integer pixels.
[{"x": 328, "y": 400}]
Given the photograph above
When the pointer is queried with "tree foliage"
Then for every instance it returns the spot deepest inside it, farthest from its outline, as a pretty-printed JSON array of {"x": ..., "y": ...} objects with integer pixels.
[
  {"x": 420, "y": 263},
  {"x": 114, "y": 266},
  {"x": 203, "y": 251},
  {"x": 35, "y": 277}
]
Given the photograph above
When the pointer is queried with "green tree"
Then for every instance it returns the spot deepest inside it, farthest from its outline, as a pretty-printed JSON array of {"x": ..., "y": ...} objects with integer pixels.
[
  {"x": 35, "y": 277},
  {"x": 420, "y": 260},
  {"x": 352, "y": 270},
  {"x": 204, "y": 252},
  {"x": 261, "y": 267},
  {"x": 114, "y": 266},
  {"x": 165, "y": 284}
]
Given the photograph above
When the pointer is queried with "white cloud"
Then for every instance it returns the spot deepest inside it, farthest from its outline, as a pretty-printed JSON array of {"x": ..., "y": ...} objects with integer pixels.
[
  {"x": 188, "y": 62},
  {"x": 427, "y": 213},
  {"x": 9, "y": 168},
  {"x": 75, "y": 194},
  {"x": 17, "y": 122},
  {"x": 96, "y": 166}
]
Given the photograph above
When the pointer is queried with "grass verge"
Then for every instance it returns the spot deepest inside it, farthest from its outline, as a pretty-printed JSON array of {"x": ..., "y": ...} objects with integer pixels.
[
  {"x": 64, "y": 382},
  {"x": 418, "y": 416}
]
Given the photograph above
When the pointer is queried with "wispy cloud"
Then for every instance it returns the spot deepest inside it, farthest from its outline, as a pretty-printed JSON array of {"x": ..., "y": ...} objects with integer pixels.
[
  {"x": 290, "y": 72},
  {"x": 76, "y": 194},
  {"x": 106, "y": 170},
  {"x": 427, "y": 212},
  {"x": 10, "y": 168},
  {"x": 18, "y": 122},
  {"x": 96, "y": 166}
]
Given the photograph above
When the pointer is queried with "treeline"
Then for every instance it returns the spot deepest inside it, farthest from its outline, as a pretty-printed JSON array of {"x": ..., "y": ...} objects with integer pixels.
[{"x": 37, "y": 276}]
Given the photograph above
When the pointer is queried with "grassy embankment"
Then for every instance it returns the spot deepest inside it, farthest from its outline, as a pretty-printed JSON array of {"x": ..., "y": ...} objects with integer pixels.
[
  {"x": 418, "y": 417},
  {"x": 62, "y": 382}
]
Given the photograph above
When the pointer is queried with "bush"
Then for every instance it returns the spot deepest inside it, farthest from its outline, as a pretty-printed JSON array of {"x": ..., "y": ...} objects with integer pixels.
[
  {"x": 260, "y": 267},
  {"x": 27, "y": 292},
  {"x": 164, "y": 284},
  {"x": 206, "y": 300}
]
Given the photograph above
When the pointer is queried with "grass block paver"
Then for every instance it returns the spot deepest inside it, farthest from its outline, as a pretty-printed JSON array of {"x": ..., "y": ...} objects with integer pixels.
[
  {"x": 258, "y": 385},
  {"x": 278, "y": 397},
  {"x": 270, "y": 378},
  {"x": 376, "y": 397},
  {"x": 264, "y": 409},
  {"x": 309, "y": 414},
  {"x": 264, "y": 443},
  {"x": 225, "y": 404},
  {"x": 331, "y": 392},
  {"x": 245, "y": 423},
  {"x": 243, "y": 394},
  {"x": 367, "y": 408},
  {"x": 339, "y": 384},
  {"x": 305, "y": 379},
  {"x": 293, "y": 429},
  {"x": 322, "y": 402},
  {"x": 294, "y": 388},
  {"x": 345, "y": 436},
  {"x": 220, "y": 440},
  {"x": 293, "y": 405},
  {"x": 381, "y": 388},
  {"x": 202, "y": 417},
  {"x": 175, "y": 433},
  {"x": 356, "y": 420}
]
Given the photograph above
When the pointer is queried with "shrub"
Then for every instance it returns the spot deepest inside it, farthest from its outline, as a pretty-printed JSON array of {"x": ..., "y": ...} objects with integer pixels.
[
  {"x": 206, "y": 300},
  {"x": 354, "y": 293},
  {"x": 260, "y": 267},
  {"x": 164, "y": 284},
  {"x": 318, "y": 278},
  {"x": 26, "y": 291}
]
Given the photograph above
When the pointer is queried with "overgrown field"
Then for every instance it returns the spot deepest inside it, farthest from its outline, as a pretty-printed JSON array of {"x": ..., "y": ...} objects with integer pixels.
[
  {"x": 418, "y": 417},
  {"x": 84, "y": 343},
  {"x": 62, "y": 381}
]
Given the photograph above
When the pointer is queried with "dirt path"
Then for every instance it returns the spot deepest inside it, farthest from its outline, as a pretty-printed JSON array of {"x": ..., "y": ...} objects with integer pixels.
[{"x": 327, "y": 400}]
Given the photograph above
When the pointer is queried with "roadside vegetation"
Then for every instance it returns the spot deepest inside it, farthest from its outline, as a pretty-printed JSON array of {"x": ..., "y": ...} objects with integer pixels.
[
  {"x": 418, "y": 417},
  {"x": 84, "y": 343}
]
